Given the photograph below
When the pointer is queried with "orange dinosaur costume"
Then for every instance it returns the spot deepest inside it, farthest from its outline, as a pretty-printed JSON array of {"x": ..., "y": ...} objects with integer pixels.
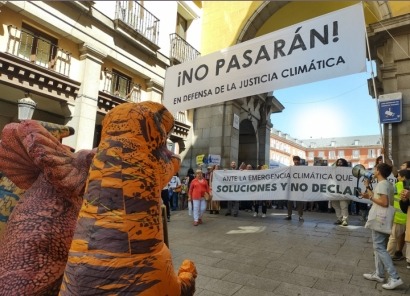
[{"x": 118, "y": 246}]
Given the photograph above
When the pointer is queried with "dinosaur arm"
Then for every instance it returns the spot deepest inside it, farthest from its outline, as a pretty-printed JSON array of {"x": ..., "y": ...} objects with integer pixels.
[
  {"x": 27, "y": 149},
  {"x": 62, "y": 168},
  {"x": 15, "y": 162},
  {"x": 186, "y": 275}
]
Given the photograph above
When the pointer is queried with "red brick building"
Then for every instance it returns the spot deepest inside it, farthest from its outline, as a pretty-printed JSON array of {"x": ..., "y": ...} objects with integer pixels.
[{"x": 355, "y": 149}]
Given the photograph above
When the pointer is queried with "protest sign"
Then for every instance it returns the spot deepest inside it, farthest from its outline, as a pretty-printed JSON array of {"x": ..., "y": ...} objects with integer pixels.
[
  {"x": 304, "y": 183},
  {"x": 324, "y": 47}
]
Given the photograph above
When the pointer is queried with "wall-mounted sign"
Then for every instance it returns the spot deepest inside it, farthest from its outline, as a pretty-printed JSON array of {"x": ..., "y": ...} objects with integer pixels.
[{"x": 390, "y": 108}]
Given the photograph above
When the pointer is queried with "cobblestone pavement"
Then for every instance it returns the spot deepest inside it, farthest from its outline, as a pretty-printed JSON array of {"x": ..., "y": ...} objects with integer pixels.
[{"x": 254, "y": 256}]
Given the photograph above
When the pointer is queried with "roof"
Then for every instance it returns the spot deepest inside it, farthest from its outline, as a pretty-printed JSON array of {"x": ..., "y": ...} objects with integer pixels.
[
  {"x": 363, "y": 141},
  {"x": 358, "y": 141}
]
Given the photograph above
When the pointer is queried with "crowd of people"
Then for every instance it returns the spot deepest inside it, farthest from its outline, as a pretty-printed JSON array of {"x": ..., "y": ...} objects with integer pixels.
[
  {"x": 176, "y": 196},
  {"x": 194, "y": 192}
]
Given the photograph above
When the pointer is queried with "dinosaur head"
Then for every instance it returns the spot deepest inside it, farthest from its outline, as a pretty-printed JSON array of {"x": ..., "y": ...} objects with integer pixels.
[{"x": 141, "y": 131}]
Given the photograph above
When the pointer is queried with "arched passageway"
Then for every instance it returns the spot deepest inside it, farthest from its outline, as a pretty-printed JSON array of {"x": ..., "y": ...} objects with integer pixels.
[{"x": 248, "y": 148}]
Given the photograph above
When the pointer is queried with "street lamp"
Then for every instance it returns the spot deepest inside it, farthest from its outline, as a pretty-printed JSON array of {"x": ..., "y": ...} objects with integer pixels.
[{"x": 26, "y": 108}]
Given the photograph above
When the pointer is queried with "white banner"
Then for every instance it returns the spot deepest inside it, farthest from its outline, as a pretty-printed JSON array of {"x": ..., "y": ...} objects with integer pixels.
[
  {"x": 304, "y": 183},
  {"x": 325, "y": 47}
]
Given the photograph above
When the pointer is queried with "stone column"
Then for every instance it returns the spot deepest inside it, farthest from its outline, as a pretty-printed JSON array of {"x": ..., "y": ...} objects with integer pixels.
[
  {"x": 213, "y": 133},
  {"x": 264, "y": 142},
  {"x": 84, "y": 109},
  {"x": 390, "y": 50},
  {"x": 154, "y": 91},
  {"x": 264, "y": 128}
]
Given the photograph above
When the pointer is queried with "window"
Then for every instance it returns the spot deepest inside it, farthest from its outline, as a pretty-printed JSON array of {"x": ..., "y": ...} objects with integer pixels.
[
  {"x": 356, "y": 154},
  {"x": 356, "y": 142},
  {"x": 311, "y": 155},
  {"x": 182, "y": 26},
  {"x": 371, "y": 153},
  {"x": 37, "y": 47},
  {"x": 120, "y": 85},
  {"x": 332, "y": 154},
  {"x": 341, "y": 154}
]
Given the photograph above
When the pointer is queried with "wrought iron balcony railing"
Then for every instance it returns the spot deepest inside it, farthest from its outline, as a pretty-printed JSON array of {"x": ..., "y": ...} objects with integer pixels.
[
  {"x": 37, "y": 50},
  {"x": 181, "y": 51},
  {"x": 139, "y": 19},
  {"x": 121, "y": 87}
]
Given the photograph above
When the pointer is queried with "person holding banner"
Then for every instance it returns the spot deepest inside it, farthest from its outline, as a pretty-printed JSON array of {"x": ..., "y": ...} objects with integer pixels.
[
  {"x": 341, "y": 206},
  {"x": 246, "y": 204},
  {"x": 215, "y": 204},
  {"x": 199, "y": 187},
  {"x": 299, "y": 204},
  {"x": 262, "y": 203},
  {"x": 233, "y": 206}
]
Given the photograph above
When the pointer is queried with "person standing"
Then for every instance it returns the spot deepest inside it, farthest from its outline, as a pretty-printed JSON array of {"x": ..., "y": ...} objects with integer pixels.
[
  {"x": 190, "y": 176},
  {"x": 183, "y": 194},
  {"x": 382, "y": 197},
  {"x": 262, "y": 203},
  {"x": 299, "y": 204},
  {"x": 165, "y": 201},
  {"x": 341, "y": 206},
  {"x": 174, "y": 186},
  {"x": 247, "y": 205},
  {"x": 197, "y": 194},
  {"x": 233, "y": 206},
  {"x": 396, "y": 240},
  {"x": 401, "y": 240},
  {"x": 215, "y": 204},
  {"x": 207, "y": 177}
]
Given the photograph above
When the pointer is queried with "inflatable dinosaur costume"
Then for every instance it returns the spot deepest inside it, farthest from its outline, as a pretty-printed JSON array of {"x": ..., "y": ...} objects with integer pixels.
[
  {"x": 118, "y": 246},
  {"x": 39, "y": 231},
  {"x": 10, "y": 194}
]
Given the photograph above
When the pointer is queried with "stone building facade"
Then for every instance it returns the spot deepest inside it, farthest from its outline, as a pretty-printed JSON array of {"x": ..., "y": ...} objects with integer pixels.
[{"x": 79, "y": 59}]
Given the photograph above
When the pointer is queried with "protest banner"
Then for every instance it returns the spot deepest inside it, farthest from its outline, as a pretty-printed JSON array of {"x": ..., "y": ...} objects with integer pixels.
[
  {"x": 303, "y": 183},
  {"x": 324, "y": 47}
]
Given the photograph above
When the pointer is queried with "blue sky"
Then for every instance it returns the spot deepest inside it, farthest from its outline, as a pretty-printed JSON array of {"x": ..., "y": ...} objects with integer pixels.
[{"x": 339, "y": 107}]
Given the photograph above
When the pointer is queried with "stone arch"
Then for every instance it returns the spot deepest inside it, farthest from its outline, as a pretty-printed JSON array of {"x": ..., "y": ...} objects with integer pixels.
[
  {"x": 268, "y": 8},
  {"x": 258, "y": 18},
  {"x": 263, "y": 13}
]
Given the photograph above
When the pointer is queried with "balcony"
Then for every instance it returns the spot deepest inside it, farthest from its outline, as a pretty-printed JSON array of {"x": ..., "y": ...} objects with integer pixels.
[
  {"x": 181, "y": 129},
  {"x": 37, "y": 50},
  {"x": 137, "y": 21},
  {"x": 117, "y": 89},
  {"x": 181, "y": 51}
]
